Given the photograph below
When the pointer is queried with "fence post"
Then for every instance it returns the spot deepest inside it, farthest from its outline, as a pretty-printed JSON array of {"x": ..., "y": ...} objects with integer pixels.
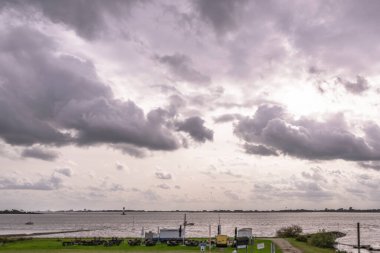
[{"x": 358, "y": 233}]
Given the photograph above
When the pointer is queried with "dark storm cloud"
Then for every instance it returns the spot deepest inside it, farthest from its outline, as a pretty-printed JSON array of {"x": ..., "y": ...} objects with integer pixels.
[
  {"x": 40, "y": 153},
  {"x": 357, "y": 87},
  {"x": 103, "y": 120},
  {"x": 181, "y": 66},
  {"x": 307, "y": 138},
  {"x": 57, "y": 99},
  {"x": 88, "y": 18},
  {"x": 41, "y": 84},
  {"x": 221, "y": 14},
  {"x": 259, "y": 150},
  {"x": 195, "y": 127}
]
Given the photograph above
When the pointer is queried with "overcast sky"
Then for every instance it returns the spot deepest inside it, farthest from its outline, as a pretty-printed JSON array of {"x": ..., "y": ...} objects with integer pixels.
[{"x": 203, "y": 104}]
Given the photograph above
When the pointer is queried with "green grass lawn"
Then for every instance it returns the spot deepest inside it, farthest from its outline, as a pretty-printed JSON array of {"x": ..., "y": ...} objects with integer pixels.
[
  {"x": 307, "y": 248},
  {"x": 55, "y": 245}
]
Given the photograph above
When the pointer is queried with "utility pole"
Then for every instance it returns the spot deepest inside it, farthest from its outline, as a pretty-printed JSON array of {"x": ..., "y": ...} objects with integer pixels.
[
  {"x": 236, "y": 239},
  {"x": 358, "y": 233},
  {"x": 219, "y": 226},
  {"x": 184, "y": 229}
]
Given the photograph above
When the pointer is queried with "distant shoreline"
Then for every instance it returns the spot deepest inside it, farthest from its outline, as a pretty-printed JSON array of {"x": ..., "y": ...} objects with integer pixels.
[
  {"x": 45, "y": 233},
  {"x": 341, "y": 210}
]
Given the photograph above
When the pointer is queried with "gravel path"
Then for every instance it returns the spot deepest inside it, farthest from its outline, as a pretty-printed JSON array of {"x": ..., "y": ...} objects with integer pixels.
[{"x": 285, "y": 246}]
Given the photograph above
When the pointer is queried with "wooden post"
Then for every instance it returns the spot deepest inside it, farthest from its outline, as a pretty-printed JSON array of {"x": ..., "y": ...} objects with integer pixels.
[
  {"x": 252, "y": 244},
  {"x": 209, "y": 238},
  {"x": 236, "y": 242},
  {"x": 358, "y": 232}
]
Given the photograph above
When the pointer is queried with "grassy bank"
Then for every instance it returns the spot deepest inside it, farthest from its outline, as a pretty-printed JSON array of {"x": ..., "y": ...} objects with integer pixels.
[
  {"x": 307, "y": 248},
  {"x": 55, "y": 245}
]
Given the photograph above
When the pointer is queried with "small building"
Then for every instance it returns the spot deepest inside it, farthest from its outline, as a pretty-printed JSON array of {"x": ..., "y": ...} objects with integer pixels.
[
  {"x": 167, "y": 234},
  {"x": 151, "y": 236},
  {"x": 243, "y": 236},
  {"x": 244, "y": 232}
]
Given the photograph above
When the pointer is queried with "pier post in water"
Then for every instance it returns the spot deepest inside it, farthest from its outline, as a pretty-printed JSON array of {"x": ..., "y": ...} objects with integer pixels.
[{"x": 358, "y": 233}]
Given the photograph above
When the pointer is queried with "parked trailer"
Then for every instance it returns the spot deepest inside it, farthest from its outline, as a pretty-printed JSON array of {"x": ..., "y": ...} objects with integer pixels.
[{"x": 170, "y": 235}]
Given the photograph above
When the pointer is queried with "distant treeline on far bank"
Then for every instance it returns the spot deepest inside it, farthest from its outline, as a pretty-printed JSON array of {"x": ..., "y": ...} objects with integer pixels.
[{"x": 348, "y": 210}]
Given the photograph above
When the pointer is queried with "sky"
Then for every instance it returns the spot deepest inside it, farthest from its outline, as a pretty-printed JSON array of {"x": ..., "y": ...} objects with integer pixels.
[{"x": 189, "y": 105}]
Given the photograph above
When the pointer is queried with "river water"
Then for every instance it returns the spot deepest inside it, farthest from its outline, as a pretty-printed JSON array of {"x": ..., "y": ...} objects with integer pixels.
[{"x": 131, "y": 224}]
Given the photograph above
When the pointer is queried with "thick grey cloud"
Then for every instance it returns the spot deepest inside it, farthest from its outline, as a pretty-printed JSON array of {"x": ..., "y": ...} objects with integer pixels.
[
  {"x": 40, "y": 153},
  {"x": 336, "y": 34},
  {"x": 221, "y": 14},
  {"x": 195, "y": 127},
  {"x": 357, "y": 87},
  {"x": 104, "y": 120},
  {"x": 88, "y": 18},
  {"x": 57, "y": 99},
  {"x": 164, "y": 176},
  {"x": 307, "y": 138},
  {"x": 54, "y": 182},
  {"x": 65, "y": 171},
  {"x": 259, "y": 150},
  {"x": 34, "y": 92},
  {"x": 227, "y": 117},
  {"x": 375, "y": 165},
  {"x": 181, "y": 66},
  {"x": 130, "y": 150}
]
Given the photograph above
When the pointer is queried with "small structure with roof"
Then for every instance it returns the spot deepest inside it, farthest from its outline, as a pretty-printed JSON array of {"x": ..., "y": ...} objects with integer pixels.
[{"x": 170, "y": 234}]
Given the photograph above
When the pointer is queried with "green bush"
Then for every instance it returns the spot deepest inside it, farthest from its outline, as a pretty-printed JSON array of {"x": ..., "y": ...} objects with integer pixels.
[
  {"x": 291, "y": 231},
  {"x": 322, "y": 240},
  {"x": 301, "y": 238}
]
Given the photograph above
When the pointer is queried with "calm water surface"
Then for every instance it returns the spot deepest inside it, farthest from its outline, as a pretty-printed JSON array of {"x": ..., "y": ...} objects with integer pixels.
[{"x": 131, "y": 224}]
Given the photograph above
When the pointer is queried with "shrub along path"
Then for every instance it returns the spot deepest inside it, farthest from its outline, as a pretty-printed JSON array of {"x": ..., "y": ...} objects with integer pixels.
[{"x": 285, "y": 246}]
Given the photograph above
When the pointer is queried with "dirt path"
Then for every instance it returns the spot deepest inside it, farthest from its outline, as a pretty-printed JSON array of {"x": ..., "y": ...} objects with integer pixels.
[{"x": 285, "y": 246}]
